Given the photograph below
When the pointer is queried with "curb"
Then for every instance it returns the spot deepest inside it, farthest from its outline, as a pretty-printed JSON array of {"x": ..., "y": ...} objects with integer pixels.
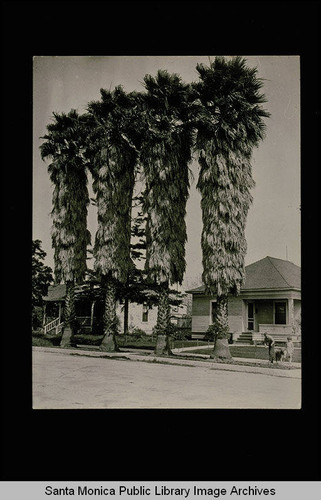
[{"x": 151, "y": 358}]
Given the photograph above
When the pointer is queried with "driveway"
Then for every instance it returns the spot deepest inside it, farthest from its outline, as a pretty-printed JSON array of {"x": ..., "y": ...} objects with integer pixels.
[{"x": 65, "y": 381}]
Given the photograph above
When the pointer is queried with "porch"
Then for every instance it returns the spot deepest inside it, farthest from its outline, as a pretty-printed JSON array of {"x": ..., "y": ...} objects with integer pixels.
[
  {"x": 88, "y": 317},
  {"x": 280, "y": 318}
]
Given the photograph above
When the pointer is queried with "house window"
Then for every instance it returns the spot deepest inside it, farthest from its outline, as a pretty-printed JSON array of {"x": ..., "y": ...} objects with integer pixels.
[
  {"x": 280, "y": 313},
  {"x": 250, "y": 316},
  {"x": 145, "y": 313},
  {"x": 213, "y": 310}
]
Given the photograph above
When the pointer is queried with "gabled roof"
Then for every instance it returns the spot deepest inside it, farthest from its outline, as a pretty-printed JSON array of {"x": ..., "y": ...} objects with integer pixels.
[
  {"x": 266, "y": 274},
  {"x": 56, "y": 293},
  {"x": 272, "y": 273}
]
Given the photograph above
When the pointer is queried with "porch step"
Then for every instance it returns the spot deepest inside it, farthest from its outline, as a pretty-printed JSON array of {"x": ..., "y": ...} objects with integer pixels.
[{"x": 244, "y": 338}]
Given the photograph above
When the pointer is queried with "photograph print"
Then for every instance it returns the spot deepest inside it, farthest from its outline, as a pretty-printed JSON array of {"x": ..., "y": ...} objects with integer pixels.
[{"x": 166, "y": 264}]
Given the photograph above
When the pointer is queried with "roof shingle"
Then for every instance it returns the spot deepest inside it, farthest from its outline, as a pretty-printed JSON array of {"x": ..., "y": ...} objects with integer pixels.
[
  {"x": 55, "y": 293},
  {"x": 268, "y": 273}
]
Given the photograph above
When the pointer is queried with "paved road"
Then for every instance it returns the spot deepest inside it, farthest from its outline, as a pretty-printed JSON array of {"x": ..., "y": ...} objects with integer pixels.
[{"x": 65, "y": 381}]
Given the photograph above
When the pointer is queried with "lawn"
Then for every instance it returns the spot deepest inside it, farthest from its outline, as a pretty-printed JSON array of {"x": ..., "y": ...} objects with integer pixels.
[
  {"x": 250, "y": 351},
  {"x": 123, "y": 341},
  {"x": 148, "y": 343}
]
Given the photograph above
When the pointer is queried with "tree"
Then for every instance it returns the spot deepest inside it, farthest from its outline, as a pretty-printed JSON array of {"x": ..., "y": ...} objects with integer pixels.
[
  {"x": 132, "y": 290},
  {"x": 138, "y": 288},
  {"x": 229, "y": 125},
  {"x": 112, "y": 153},
  {"x": 165, "y": 155},
  {"x": 41, "y": 279},
  {"x": 70, "y": 237}
]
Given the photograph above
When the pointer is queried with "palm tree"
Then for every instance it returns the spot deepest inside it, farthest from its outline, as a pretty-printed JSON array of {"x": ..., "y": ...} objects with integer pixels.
[
  {"x": 70, "y": 237},
  {"x": 165, "y": 155},
  {"x": 112, "y": 153},
  {"x": 229, "y": 125}
]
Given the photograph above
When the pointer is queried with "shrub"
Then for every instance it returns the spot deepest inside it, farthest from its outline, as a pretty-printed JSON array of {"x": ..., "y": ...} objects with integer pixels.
[
  {"x": 182, "y": 334},
  {"x": 37, "y": 332},
  {"x": 37, "y": 317},
  {"x": 296, "y": 328},
  {"x": 137, "y": 333},
  {"x": 210, "y": 333},
  {"x": 55, "y": 340},
  {"x": 41, "y": 340},
  {"x": 216, "y": 331},
  {"x": 175, "y": 333}
]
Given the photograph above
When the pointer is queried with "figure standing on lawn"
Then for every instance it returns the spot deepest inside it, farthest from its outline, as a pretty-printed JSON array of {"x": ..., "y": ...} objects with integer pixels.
[
  {"x": 269, "y": 341},
  {"x": 290, "y": 349}
]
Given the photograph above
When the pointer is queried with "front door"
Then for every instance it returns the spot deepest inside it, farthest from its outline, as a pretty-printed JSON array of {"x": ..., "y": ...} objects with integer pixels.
[{"x": 250, "y": 316}]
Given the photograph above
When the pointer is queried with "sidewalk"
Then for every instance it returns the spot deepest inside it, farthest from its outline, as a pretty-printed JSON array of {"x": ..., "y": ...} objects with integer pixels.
[{"x": 205, "y": 362}]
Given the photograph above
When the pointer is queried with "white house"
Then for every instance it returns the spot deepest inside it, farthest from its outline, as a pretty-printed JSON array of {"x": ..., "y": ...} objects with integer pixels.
[{"x": 269, "y": 301}]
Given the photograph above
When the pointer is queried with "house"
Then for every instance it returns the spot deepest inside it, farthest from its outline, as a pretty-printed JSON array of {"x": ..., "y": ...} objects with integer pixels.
[
  {"x": 89, "y": 311},
  {"x": 269, "y": 301}
]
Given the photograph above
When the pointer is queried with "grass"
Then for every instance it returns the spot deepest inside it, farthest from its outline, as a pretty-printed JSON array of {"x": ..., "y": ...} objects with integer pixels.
[
  {"x": 148, "y": 343},
  {"x": 124, "y": 342},
  {"x": 251, "y": 351},
  {"x": 42, "y": 342},
  {"x": 178, "y": 344},
  {"x": 186, "y": 356}
]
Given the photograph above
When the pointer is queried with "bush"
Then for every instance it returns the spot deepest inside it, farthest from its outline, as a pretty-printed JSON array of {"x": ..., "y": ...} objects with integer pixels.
[
  {"x": 182, "y": 334},
  {"x": 41, "y": 342},
  {"x": 39, "y": 339},
  {"x": 215, "y": 331},
  {"x": 137, "y": 333},
  {"x": 54, "y": 340},
  {"x": 37, "y": 332},
  {"x": 175, "y": 332},
  {"x": 37, "y": 317},
  {"x": 98, "y": 327},
  {"x": 210, "y": 333}
]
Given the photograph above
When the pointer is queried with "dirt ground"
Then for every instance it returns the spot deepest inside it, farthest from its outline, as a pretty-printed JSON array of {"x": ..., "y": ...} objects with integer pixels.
[{"x": 69, "y": 382}]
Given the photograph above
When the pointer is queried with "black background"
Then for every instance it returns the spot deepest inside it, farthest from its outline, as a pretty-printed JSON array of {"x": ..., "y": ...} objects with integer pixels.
[{"x": 146, "y": 445}]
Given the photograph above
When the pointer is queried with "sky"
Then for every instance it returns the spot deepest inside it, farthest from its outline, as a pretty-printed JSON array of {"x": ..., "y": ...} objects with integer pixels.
[{"x": 62, "y": 83}]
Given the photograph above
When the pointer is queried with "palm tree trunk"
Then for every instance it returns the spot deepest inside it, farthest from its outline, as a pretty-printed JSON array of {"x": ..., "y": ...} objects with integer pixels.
[
  {"x": 126, "y": 313},
  {"x": 221, "y": 349},
  {"x": 108, "y": 343},
  {"x": 163, "y": 320},
  {"x": 67, "y": 339}
]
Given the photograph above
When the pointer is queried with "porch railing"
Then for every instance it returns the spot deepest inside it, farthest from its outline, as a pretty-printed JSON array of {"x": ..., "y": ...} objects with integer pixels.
[
  {"x": 53, "y": 325},
  {"x": 278, "y": 332}
]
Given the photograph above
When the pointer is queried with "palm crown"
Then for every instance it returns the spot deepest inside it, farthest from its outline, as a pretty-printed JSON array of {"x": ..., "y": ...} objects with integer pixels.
[
  {"x": 70, "y": 237},
  {"x": 112, "y": 152},
  {"x": 165, "y": 154},
  {"x": 229, "y": 124}
]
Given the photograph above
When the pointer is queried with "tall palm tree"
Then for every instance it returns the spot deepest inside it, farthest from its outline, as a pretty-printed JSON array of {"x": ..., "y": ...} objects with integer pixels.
[
  {"x": 112, "y": 151},
  {"x": 229, "y": 125},
  {"x": 70, "y": 237},
  {"x": 165, "y": 155}
]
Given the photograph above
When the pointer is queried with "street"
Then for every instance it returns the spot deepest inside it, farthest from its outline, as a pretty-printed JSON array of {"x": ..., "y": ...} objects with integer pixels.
[{"x": 70, "y": 382}]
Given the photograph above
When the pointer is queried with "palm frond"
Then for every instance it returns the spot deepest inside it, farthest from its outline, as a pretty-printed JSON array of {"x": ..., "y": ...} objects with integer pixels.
[
  {"x": 165, "y": 156},
  {"x": 229, "y": 125},
  {"x": 63, "y": 144}
]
